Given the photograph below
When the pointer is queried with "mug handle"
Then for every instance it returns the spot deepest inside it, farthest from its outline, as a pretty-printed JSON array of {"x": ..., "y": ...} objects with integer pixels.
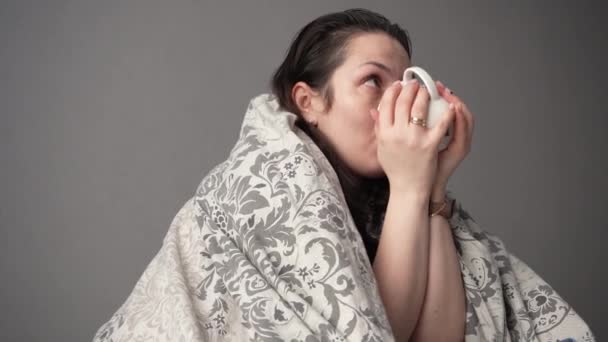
[{"x": 408, "y": 74}]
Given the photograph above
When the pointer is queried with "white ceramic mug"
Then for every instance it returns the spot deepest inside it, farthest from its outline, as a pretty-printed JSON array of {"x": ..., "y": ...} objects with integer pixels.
[{"x": 438, "y": 106}]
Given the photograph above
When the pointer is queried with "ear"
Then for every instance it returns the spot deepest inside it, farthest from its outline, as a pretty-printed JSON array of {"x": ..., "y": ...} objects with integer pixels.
[{"x": 307, "y": 100}]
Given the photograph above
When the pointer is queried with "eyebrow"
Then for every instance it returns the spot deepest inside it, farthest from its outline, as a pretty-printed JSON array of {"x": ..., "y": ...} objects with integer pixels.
[{"x": 379, "y": 65}]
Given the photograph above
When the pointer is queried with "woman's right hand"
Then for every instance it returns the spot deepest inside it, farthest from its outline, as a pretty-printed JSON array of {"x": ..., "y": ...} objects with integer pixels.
[{"x": 408, "y": 152}]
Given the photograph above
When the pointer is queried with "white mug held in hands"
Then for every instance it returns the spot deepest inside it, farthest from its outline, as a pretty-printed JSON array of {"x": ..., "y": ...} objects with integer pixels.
[{"x": 438, "y": 106}]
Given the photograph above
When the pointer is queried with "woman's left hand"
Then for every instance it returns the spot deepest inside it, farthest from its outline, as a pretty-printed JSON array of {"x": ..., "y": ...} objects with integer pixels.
[{"x": 459, "y": 146}]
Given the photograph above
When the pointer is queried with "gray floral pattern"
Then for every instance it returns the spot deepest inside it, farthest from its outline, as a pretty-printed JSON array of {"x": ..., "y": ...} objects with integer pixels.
[{"x": 267, "y": 250}]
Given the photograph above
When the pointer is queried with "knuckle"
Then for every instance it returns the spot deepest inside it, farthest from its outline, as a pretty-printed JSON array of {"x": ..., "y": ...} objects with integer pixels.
[
  {"x": 395, "y": 89},
  {"x": 401, "y": 103},
  {"x": 420, "y": 101},
  {"x": 412, "y": 88},
  {"x": 417, "y": 111}
]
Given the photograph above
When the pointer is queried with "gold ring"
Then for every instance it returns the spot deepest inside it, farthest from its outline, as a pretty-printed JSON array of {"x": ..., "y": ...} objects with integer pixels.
[{"x": 418, "y": 121}]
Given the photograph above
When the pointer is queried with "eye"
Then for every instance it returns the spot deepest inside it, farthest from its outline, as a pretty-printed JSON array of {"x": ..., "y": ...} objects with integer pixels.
[{"x": 375, "y": 78}]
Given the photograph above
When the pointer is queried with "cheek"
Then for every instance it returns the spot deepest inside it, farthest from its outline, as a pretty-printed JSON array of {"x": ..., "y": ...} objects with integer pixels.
[
  {"x": 357, "y": 122},
  {"x": 359, "y": 126},
  {"x": 358, "y": 108},
  {"x": 353, "y": 119}
]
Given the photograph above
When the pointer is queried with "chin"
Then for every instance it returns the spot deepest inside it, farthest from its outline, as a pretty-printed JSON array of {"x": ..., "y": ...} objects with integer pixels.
[
  {"x": 379, "y": 173},
  {"x": 372, "y": 170}
]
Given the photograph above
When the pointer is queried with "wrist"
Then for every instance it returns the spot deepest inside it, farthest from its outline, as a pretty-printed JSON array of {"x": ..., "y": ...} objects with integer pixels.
[
  {"x": 438, "y": 194},
  {"x": 443, "y": 207},
  {"x": 421, "y": 198}
]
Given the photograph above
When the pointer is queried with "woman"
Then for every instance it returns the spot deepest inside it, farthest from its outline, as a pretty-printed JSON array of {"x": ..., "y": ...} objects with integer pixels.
[
  {"x": 341, "y": 80},
  {"x": 328, "y": 221}
]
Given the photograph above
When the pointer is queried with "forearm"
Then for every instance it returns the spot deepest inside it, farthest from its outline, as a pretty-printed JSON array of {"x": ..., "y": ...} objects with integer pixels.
[
  {"x": 444, "y": 302},
  {"x": 401, "y": 261}
]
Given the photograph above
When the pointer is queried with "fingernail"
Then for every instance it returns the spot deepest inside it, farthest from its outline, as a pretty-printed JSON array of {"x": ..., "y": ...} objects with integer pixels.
[
  {"x": 396, "y": 83},
  {"x": 410, "y": 83}
]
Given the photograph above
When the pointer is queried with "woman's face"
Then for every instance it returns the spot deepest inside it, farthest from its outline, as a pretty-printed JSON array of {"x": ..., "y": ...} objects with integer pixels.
[{"x": 373, "y": 61}]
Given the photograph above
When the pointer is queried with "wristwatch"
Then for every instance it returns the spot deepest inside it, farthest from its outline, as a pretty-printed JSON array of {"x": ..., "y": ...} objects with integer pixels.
[{"x": 446, "y": 207}]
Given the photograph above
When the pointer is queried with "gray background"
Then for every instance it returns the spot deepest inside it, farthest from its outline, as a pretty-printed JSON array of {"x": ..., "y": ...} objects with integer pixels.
[{"x": 113, "y": 111}]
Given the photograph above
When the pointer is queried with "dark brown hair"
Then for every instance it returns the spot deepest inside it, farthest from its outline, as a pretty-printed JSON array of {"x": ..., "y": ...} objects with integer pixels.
[{"x": 317, "y": 50}]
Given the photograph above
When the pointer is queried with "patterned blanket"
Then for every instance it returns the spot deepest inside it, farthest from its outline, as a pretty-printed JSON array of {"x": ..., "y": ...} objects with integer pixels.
[{"x": 267, "y": 250}]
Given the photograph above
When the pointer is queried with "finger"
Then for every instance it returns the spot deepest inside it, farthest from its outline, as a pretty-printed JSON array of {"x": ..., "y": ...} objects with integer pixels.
[
  {"x": 440, "y": 87},
  {"x": 463, "y": 110},
  {"x": 404, "y": 103},
  {"x": 451, "y": 98},
  {"x": 470, "y": 119},
  {"x": 444, "y": 124},
  {"x": 387, "y": 105},
  {"x": 461, "y": 135},
  {"x": 447, "y": 93},
  {"x": 420, "y": 107}
]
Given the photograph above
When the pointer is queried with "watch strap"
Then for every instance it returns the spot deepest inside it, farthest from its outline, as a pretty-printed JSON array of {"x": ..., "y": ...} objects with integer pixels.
[{"x": 447, "y": 208}]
